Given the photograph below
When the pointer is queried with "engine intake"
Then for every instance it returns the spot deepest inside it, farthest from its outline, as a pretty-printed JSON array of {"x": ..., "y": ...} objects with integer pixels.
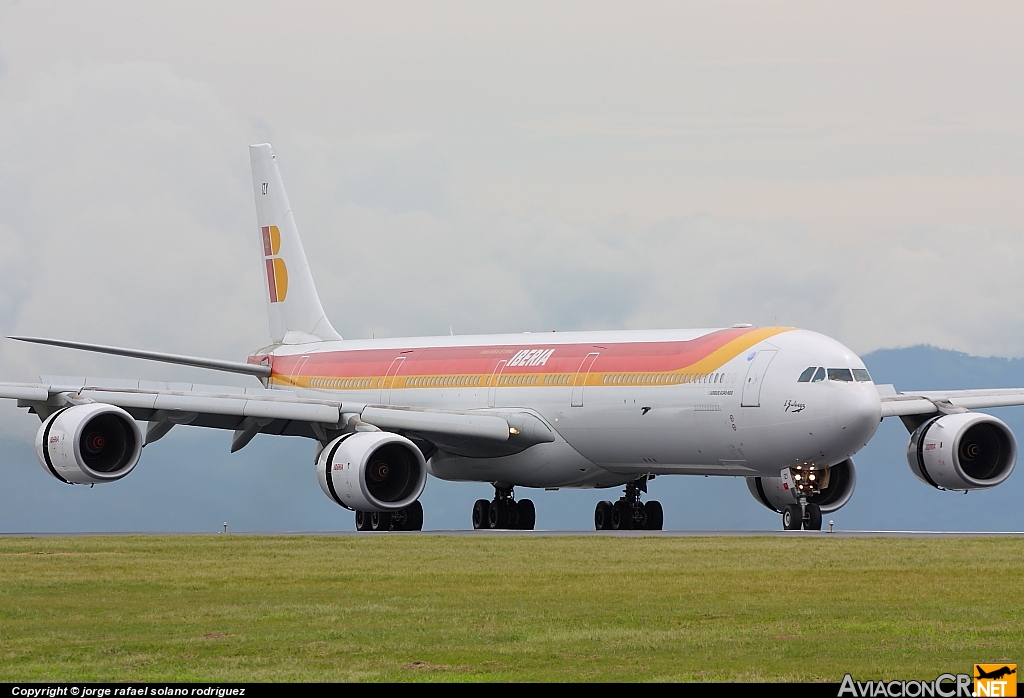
[
  {"x": 967, "y": 451},
  {"x": 89, "y": 444},
  {"x": 372, "y": 471},
  {"x": 838, "y": 483}
]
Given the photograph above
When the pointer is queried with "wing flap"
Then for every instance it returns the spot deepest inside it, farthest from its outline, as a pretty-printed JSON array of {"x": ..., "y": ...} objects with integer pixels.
[
  {"x": 24, "y": 391},
  {"x": 975, "y": 402},
  {"x": 454, "y": 423},
  {"x": 290, "y": 408},
  {"x": 903, "y": 408},
  {"x": 224, "y": 407}
]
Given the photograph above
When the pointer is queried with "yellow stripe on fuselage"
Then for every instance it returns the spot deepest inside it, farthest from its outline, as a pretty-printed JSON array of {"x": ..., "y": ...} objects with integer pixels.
[{"x": 693, "y": 373}]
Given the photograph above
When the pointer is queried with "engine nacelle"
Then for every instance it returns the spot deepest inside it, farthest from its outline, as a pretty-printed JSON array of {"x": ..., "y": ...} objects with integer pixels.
[
  {"x": 966, "y": 451},
  {"x": 89, "y": 444},
  {"x": 839, "y": 482},
  {"x": 372, "y": 471}
]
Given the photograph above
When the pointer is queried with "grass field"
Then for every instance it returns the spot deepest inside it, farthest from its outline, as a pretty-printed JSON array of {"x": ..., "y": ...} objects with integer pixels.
[{"x": 428, "y": 608}]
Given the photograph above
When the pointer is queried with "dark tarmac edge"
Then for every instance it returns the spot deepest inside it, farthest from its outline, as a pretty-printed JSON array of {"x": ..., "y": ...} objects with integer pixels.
[{"x": 546, "y": 534}]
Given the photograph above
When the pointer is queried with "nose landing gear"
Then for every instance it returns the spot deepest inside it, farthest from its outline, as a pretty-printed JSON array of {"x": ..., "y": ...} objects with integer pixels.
[
  {"x": 504, "y": 512},
  {"x": 805, "y": 514},
  {"x": 807, "y": 482},
  {"x": 629, "y": 513}
]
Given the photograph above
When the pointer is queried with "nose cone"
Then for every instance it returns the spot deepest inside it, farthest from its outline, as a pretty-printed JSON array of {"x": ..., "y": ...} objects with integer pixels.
[{"x": 857, "y": 410}]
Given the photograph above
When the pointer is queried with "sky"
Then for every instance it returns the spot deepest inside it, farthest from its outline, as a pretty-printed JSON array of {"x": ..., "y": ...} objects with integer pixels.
[{"x": 486, "y": 167}]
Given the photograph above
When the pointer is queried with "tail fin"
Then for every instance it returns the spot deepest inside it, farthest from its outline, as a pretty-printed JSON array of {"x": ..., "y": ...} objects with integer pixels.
[{"x": 296, "y": 315}]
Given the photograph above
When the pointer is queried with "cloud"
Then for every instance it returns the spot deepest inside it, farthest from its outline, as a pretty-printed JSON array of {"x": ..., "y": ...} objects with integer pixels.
[
  {"x": 126, "y": 213},
  {"x": 126, "y": 217}
]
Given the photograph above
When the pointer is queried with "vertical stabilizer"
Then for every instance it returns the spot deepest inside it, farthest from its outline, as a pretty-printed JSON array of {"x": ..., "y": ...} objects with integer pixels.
[{"x": 293, "y": 305}]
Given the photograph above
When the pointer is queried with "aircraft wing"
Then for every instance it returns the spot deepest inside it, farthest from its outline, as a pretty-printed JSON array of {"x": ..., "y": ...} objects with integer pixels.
[
  {"x": 249, "y": 411},
  {"x": 927, "y": 402}
]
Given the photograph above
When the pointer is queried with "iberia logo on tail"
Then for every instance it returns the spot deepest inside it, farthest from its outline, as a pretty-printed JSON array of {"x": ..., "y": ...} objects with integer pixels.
[{"x": 277, "y": 272}]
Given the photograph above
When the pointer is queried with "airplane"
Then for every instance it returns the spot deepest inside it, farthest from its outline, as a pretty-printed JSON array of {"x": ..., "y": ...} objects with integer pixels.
[
  {"x": 784, "y": 408},
  {"x": 995, "y": 674}
]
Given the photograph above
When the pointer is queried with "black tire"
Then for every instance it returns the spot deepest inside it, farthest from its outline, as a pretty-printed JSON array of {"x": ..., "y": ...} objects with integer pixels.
[
  {"x": 527, "y": 515},
  {"x": 655, "y": 515},
  {"x": 481, "y": 510},
  {"x": 812, "y": 522},
  {"x": 641, "y": 522},
  {"x": 622, "y": 517},
  {"x": 380, "y": 521},
  {"x": 413, "y": 517},
  {"x": 498, "y": 514},
  {"x": 792, "y": 517},
  {"x": 362, "y": 521},
  {"x": 603, "y": 516}
]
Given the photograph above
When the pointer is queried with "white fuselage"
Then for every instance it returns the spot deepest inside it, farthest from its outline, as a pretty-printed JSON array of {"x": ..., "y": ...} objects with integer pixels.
[{"x": 622, "y": 404}]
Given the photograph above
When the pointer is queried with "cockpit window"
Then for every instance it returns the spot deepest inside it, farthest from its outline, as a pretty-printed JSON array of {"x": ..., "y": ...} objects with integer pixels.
[
  {"x": 840, "y": 374},
  {"x": 819, "y": 375},
  {"x": 805, "y": 377},
  {"x": 862, "y": 375}
]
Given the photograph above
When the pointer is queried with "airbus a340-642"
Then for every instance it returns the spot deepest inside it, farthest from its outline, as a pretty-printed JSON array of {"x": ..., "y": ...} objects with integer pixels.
[{"x": 784, "y": 408}]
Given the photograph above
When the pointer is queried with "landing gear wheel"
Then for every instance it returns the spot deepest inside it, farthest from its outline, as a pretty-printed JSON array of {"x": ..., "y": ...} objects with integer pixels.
[
  {"x": 362, "y": 521},
  {"x": 413, "y": 517},
  {"x": 655, "y": 515},
  {"x": 498, "y": 514},
  {"x": 603, "y": 516},
  {"x": 622, "y": 517},
  {"x": 527, "y": 515},
  {"x": 481, "y": 509},
  {"x": 812, "y": 522},
  {"x": 380, "y": 521},
  {"x": 792, "y": 517}
]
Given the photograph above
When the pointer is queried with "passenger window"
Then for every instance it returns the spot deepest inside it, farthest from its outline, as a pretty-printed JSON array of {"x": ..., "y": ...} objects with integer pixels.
[
  {"x": 840, "y": 374},
  {"x": 805, "y": 377},
  {"x": 862, "y": 375},
  {"x": 819, "y": 375}
]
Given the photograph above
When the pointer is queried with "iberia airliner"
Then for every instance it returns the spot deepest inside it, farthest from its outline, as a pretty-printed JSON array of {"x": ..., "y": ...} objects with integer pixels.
[{"x": 784, "y": 408}]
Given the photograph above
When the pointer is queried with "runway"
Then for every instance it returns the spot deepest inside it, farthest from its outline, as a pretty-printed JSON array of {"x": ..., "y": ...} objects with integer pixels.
[{"x": 544, "y": 534}]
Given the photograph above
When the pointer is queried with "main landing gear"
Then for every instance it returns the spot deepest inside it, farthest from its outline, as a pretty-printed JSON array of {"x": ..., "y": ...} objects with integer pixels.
[
  {"x": 504, "y": 511},
  {"x": 629, "y": 512},
  {"x": 408, "y": 519},
  {"x": 806, "y": 514}
]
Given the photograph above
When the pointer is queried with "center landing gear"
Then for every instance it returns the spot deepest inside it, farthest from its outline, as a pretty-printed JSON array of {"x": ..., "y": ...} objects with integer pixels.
[
  {"x": 629, "y": 512},
  {"x": 408, "y": 519},
  {"x": 805, "y": 514},
  {"x": 504, "y": 512}
]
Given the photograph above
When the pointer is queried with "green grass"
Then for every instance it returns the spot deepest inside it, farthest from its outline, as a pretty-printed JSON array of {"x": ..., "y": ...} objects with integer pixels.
[{"x": 415, "y": 608}]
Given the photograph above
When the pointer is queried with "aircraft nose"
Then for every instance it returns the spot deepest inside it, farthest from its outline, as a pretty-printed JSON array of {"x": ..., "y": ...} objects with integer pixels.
[{"x": 857, "y": 410}]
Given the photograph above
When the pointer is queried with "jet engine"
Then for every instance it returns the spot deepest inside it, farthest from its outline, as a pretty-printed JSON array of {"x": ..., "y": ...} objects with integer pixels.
[
  {"x": 372, "y": 471},
  {"x": 834, "y": 487},
  {"x": 89, "y": 444},
  {"x": 966, "y": 451}
]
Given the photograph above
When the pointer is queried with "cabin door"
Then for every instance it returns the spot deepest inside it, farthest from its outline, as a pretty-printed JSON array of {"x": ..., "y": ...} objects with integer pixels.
[
  {"x": 492, "y": 387},
  {"x": 389, "y": 380},
  {"x": 755, "y": 377},
  {"x": 580, "y": 382}
]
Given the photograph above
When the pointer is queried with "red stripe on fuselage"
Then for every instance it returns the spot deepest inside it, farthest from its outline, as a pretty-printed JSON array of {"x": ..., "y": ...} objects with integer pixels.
[{"x": 614, "y": 357}]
